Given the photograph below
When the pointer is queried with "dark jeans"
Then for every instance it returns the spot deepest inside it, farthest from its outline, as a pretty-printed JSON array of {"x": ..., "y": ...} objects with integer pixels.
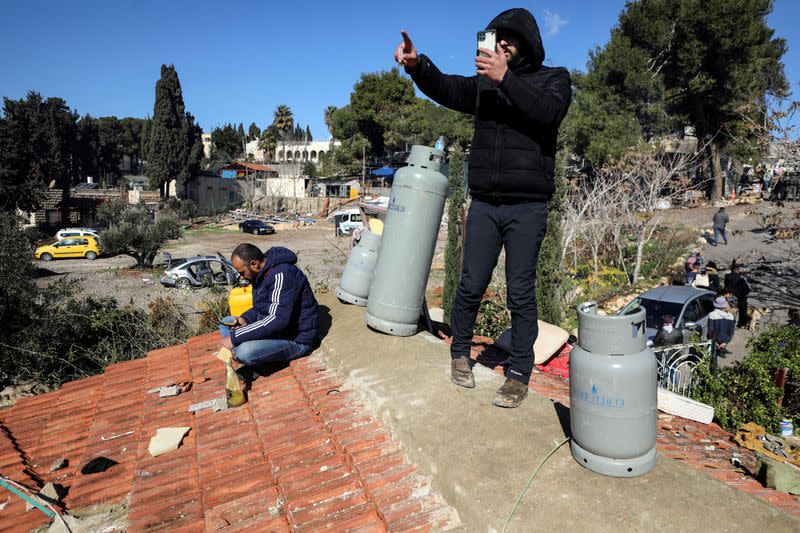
[
  {"x": 743, "y": 319},
  {"x": 720, "y": 232},
  {"x": 262, "y": 351},
  {"x": 519, "y": 228}
]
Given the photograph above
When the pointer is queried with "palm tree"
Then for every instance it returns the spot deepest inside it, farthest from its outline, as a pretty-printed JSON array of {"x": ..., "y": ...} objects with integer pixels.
[
  {"x": 328, "y": 118},
  {"x": 329, "y": 111},
  {"x": 283, "y": 121},
  {"x": 268, "y": 142}
]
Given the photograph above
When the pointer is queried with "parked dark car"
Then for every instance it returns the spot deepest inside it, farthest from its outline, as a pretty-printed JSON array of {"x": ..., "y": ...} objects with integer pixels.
[{"x": 256, "y": 227}]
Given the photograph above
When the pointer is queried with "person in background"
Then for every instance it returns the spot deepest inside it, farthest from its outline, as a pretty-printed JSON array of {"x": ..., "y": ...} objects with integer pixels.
[
  {"x": 794, "y": 317},
  {"x": 667, "y": 334},
  {"x": 701, "y": 280},
  {"x": 721, "y": 326},
  {"x": 720, "y": 220},
  {"x": 713, "y": 276},
  {"x": 738, "y": 285},
  {"x": 733, "y": 302}
]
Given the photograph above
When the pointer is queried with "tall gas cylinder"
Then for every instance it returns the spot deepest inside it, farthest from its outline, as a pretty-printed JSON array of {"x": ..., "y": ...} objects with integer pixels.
[
  {"x": 357, "y": 275},
  {"x": 613, "y": 394},
  {"x": 409, "y": 237}
]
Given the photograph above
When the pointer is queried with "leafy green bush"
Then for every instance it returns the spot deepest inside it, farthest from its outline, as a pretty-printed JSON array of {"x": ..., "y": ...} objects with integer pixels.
[
  {"x": 74, "y": 338},
  {"x": 746, "y": 392},
  {"x": 136, "y": 231},
  {"x": 212, "y": 310},
  {"x": 493, "y": 316},
  {"x": 452, "y": 254}
]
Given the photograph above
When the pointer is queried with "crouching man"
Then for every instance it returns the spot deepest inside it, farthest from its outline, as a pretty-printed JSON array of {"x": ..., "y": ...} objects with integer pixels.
[{"x": 283, "y": 323}]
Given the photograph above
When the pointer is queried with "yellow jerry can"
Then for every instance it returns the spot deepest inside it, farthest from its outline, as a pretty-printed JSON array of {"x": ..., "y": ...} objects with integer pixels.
[{"x": 240, "y": 299}]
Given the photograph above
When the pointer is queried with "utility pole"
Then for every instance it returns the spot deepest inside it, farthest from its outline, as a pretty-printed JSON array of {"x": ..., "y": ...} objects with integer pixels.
[{"x": 363, "y": 167}]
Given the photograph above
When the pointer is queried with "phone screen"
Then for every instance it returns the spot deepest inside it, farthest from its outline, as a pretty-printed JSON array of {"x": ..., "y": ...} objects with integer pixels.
[{"x": 487, "y": 39}]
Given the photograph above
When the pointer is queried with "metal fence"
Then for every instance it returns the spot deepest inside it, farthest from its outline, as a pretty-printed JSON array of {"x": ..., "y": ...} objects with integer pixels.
[{"x": 677, "y": 364}]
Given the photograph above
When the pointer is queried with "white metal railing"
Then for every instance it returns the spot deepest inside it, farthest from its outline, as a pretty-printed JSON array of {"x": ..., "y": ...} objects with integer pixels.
[{"x": 676, "y": 365}]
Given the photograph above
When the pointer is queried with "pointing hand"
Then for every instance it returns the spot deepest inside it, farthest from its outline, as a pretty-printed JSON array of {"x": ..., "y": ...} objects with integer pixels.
[{"x": 406, "y": 54}]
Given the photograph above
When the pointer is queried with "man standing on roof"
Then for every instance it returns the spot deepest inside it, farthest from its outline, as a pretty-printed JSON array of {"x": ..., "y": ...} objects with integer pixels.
[
  {"x": 518, "y": 106},
  {"x": 283, "y": 323}
]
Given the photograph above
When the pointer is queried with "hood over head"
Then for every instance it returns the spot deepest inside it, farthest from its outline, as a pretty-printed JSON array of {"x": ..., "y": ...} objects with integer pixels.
[
  {"x": 277, "y": 255},
  {"x": 521, "y": 21}
]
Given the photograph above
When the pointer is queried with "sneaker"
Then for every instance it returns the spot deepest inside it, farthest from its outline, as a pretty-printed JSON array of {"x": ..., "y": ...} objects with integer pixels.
[
  {"x": 510, "y": 394},
  {"x": 461, "y": 372}
]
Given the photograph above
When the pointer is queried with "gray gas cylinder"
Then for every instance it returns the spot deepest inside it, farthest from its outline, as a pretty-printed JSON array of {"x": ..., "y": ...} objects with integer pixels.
[
  {"x": 357, "y": 275},
  {"x": 409, "y": 237},
  {"x": 613, "y": 394}
]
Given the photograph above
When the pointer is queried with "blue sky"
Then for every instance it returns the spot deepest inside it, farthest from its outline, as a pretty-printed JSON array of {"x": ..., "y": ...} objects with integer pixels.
[{"x": 239, "y": 60}]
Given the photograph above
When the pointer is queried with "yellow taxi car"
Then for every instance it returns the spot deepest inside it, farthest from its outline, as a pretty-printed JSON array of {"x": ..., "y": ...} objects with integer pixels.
[{"x": 85, "y": 246}]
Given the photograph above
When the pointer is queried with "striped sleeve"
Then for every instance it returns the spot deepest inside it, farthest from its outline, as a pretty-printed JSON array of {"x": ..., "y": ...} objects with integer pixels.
[{"x": 274, "y": 312}]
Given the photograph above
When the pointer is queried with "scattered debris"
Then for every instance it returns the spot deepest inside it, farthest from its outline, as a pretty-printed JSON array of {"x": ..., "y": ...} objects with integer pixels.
[
  {"x": 783, "y": 477},
  {"x": 97, "y": 465},
  {"x": 173, "y": 389},
  {"x": 755, "y": 437},
  {"x": 217, "y": 404},
  {"x": 678, "y": 405},
  {"x": 166, "y": 392},
  {"x": 665, "y": 417},
  {"x": 112, "y": 437},
  {"x": 148, "y": 282},
  {"x": 224, "y": 355},
  {"x": 710, "y": 448},
  {"x": 166, "y": 440},
  {"x": 736, "y": 460},
  {"x": 50, "y": 494},
  {"x": 58, "y": 464}
]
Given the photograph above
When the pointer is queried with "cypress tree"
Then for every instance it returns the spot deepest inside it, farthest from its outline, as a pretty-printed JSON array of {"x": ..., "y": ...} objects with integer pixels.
[
  {"x": 167, "y": 131},
  {"x": 452, "y": 254},
  {"x": 548, "y": 269}
]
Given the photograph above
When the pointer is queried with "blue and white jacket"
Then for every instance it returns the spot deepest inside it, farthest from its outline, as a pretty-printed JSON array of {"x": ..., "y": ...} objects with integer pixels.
[{"x": 284, "y": 306}]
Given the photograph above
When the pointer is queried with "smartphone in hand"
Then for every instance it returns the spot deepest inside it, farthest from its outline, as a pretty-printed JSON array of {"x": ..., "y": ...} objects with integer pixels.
[
  {"x": 487, "y": 39},
  {"x": 230, "y": 322}
]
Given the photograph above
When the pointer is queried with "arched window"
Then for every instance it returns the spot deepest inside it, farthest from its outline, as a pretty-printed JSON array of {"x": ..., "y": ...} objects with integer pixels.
[
  {"x": 313, "y": 155},
  {"x": 280, "y": 155},
  {"x": 321, "y": 154}
]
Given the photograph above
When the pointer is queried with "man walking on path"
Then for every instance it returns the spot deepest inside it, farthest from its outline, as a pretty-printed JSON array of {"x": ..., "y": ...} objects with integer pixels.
[
  {"x": 518, "y": 106},
  {"x": 720, "y": 221}
]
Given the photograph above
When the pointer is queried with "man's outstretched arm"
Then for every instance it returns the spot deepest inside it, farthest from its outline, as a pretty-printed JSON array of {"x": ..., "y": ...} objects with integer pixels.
[{"x": 453, "y": 91}]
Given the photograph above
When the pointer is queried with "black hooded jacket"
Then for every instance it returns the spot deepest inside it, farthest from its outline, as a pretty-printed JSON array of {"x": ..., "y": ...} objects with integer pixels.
[{"x": 516, "y": 121}]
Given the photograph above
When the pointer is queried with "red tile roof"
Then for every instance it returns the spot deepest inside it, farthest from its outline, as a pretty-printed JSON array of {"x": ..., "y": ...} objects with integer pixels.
[
  {"x": 302, "y": 454},
  {"x": 252, "y": 167}
]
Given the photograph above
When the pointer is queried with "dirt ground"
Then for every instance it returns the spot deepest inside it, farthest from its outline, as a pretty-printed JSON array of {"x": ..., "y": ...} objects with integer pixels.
[
  {"x": 320, "y": 254},
  {"x": 774, "y": 282}
]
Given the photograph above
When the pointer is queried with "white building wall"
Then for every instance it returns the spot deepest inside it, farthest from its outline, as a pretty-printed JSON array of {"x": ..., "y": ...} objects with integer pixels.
[
  {"x": 300, "y": 151},
  {"x": 286, "y": 186}
]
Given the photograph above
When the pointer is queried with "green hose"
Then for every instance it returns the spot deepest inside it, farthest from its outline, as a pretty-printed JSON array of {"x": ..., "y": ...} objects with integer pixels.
[
  {"x": 530, "y": 481},
  {"x": 5, "y": 483}
]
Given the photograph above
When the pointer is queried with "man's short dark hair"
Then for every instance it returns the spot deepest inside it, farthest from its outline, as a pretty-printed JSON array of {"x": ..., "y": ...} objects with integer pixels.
[{"x": 248, "y": 252}]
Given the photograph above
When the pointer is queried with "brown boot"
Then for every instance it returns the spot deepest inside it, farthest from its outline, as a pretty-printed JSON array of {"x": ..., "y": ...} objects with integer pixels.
[
  {"x": 510, "y": 394},
  {"x": 461, "y": 372}
]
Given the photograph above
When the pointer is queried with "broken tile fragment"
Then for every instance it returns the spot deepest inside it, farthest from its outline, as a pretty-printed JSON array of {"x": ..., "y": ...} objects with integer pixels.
[{"x": 166, "y": 440}]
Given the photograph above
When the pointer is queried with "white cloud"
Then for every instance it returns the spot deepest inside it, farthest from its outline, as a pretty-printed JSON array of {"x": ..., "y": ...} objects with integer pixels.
[{"x": 553, "y": 22}]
